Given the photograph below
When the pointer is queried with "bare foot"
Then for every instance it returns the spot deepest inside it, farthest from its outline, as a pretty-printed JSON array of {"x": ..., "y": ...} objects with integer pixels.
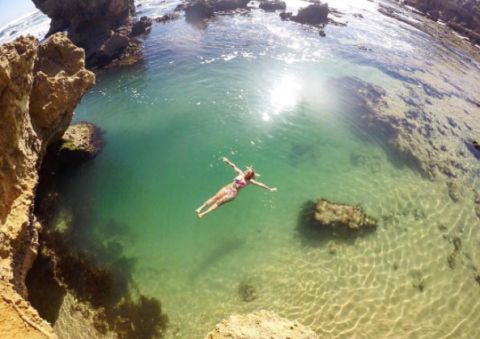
[
  {"x": 198, "y": 210},
  {"x": 200, "y": 215}
]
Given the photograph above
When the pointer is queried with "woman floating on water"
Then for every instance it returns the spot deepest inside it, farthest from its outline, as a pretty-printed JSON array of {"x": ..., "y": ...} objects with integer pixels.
[{"x": 230, "y": 191}]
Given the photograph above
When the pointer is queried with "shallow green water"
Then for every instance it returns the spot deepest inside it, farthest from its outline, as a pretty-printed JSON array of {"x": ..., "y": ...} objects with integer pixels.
[{"x": 258, "y": 99}]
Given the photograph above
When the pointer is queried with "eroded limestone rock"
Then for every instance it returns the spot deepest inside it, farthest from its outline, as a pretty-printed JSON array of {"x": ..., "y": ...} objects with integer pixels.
[
  {"x": 341, "y": 216},
  {"x": 39, "y": 86},
  {"x": 260, "y": 324}
]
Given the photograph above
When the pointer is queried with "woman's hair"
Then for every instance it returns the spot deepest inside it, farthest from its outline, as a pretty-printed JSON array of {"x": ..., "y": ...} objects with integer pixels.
[{"x": 249, "y": 174}]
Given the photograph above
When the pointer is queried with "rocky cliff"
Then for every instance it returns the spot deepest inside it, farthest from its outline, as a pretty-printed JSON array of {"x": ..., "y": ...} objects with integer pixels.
[
  {"x": 40, "y": 85},
  {"x": 102, "y": 27}
]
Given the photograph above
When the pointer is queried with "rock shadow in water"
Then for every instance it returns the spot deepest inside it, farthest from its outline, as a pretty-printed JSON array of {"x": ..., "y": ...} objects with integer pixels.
[
  {"x": 216, "y": 255},
  {"x": 303, "y": 152},
  {"x": 312, "y": 233}
]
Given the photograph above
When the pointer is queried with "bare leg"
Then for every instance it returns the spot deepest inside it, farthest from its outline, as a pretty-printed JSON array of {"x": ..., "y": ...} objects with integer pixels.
[
  {"x": 205, "y": 204},
  {"x": 216, "y": 205},
  {"x": 211, "y": 208},
  {"x": 218, "y": 196}
]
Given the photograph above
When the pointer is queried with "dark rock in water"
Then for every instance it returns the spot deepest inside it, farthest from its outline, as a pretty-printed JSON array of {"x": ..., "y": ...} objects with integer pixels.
[
  {"x": 272, "y": 5},
  {"x": 228, "y": 5},
  {"x": 167, "y": 17},
  {"x": 477, "y": 278},
  {"x": 94, "y": 25},
  {"x": 198, "y": 10},
  {"x": 247, "y": 292},
  {"x": 332, "y": 247},
  {"x": 314, "y": 15},
  {"x": 142, "y": 26},
  {"x": 286, "y": 15},
  {"x": 451, "y": 259},
  {"x": 418, "y": 281},
  {"x": 457, "y": 243},
  {"x": 348, "y": 217},
  {"x": 13, "y": 32},
  {"x": 322, "y": 33}
]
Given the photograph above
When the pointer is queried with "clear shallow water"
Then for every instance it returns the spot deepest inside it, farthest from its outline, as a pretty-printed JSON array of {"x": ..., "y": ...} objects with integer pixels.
[{"x": 257, "y": 90}]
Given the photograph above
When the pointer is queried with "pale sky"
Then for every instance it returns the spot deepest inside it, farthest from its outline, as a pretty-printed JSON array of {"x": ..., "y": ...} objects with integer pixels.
[{"x": 12, "y": 9}]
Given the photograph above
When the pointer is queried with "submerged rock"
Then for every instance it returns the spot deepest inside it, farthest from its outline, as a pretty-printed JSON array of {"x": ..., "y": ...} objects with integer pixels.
[
  {"x": 272, "y": 5},
  {"x": 260, "y": 324},
  {"x": 247, "y": 292},
  {"x": 341, "y": 216}
]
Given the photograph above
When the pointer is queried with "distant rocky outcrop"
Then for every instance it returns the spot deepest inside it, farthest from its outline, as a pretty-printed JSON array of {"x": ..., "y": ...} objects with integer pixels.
[
  {"x": 272, "y": 5},
  {"x": 341, "y": 216},
  {"x": 315, "y": 14},
  {"x": 261, "y": 324},
  {"x": 462, "y": 16},
  {"x": 104, "y": 28},
  {"x": 40, "y": 85},
  {"x": 198, "y": 10}
]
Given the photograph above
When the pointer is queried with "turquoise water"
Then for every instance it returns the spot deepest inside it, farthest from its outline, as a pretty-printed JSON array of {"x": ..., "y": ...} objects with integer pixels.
[{"x": 259, "y": 91}]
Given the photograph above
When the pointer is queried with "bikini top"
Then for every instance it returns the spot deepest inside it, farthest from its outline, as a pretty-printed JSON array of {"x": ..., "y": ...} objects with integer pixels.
[{"x": 240, "y": 181}]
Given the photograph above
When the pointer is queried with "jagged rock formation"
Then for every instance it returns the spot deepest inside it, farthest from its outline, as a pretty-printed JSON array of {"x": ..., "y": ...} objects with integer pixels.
[
  {"x": 341, "y": 216},
  {"x": 462, "y": 16},
  {"x": 261, "y": 324},
  {"x": 102, "y": 27},
  {"x": 39, "y": 87}
]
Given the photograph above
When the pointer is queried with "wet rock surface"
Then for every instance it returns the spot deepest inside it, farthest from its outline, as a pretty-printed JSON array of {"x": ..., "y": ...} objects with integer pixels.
[
  {"x": 347, "y": 217},
  {"x": 260, "y": 324}
]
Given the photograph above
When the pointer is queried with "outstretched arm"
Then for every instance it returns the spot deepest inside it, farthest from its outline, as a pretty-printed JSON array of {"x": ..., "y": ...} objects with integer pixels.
[
  {"x": 262, "y": 185},
  {"x": 232, "y": 165}
]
